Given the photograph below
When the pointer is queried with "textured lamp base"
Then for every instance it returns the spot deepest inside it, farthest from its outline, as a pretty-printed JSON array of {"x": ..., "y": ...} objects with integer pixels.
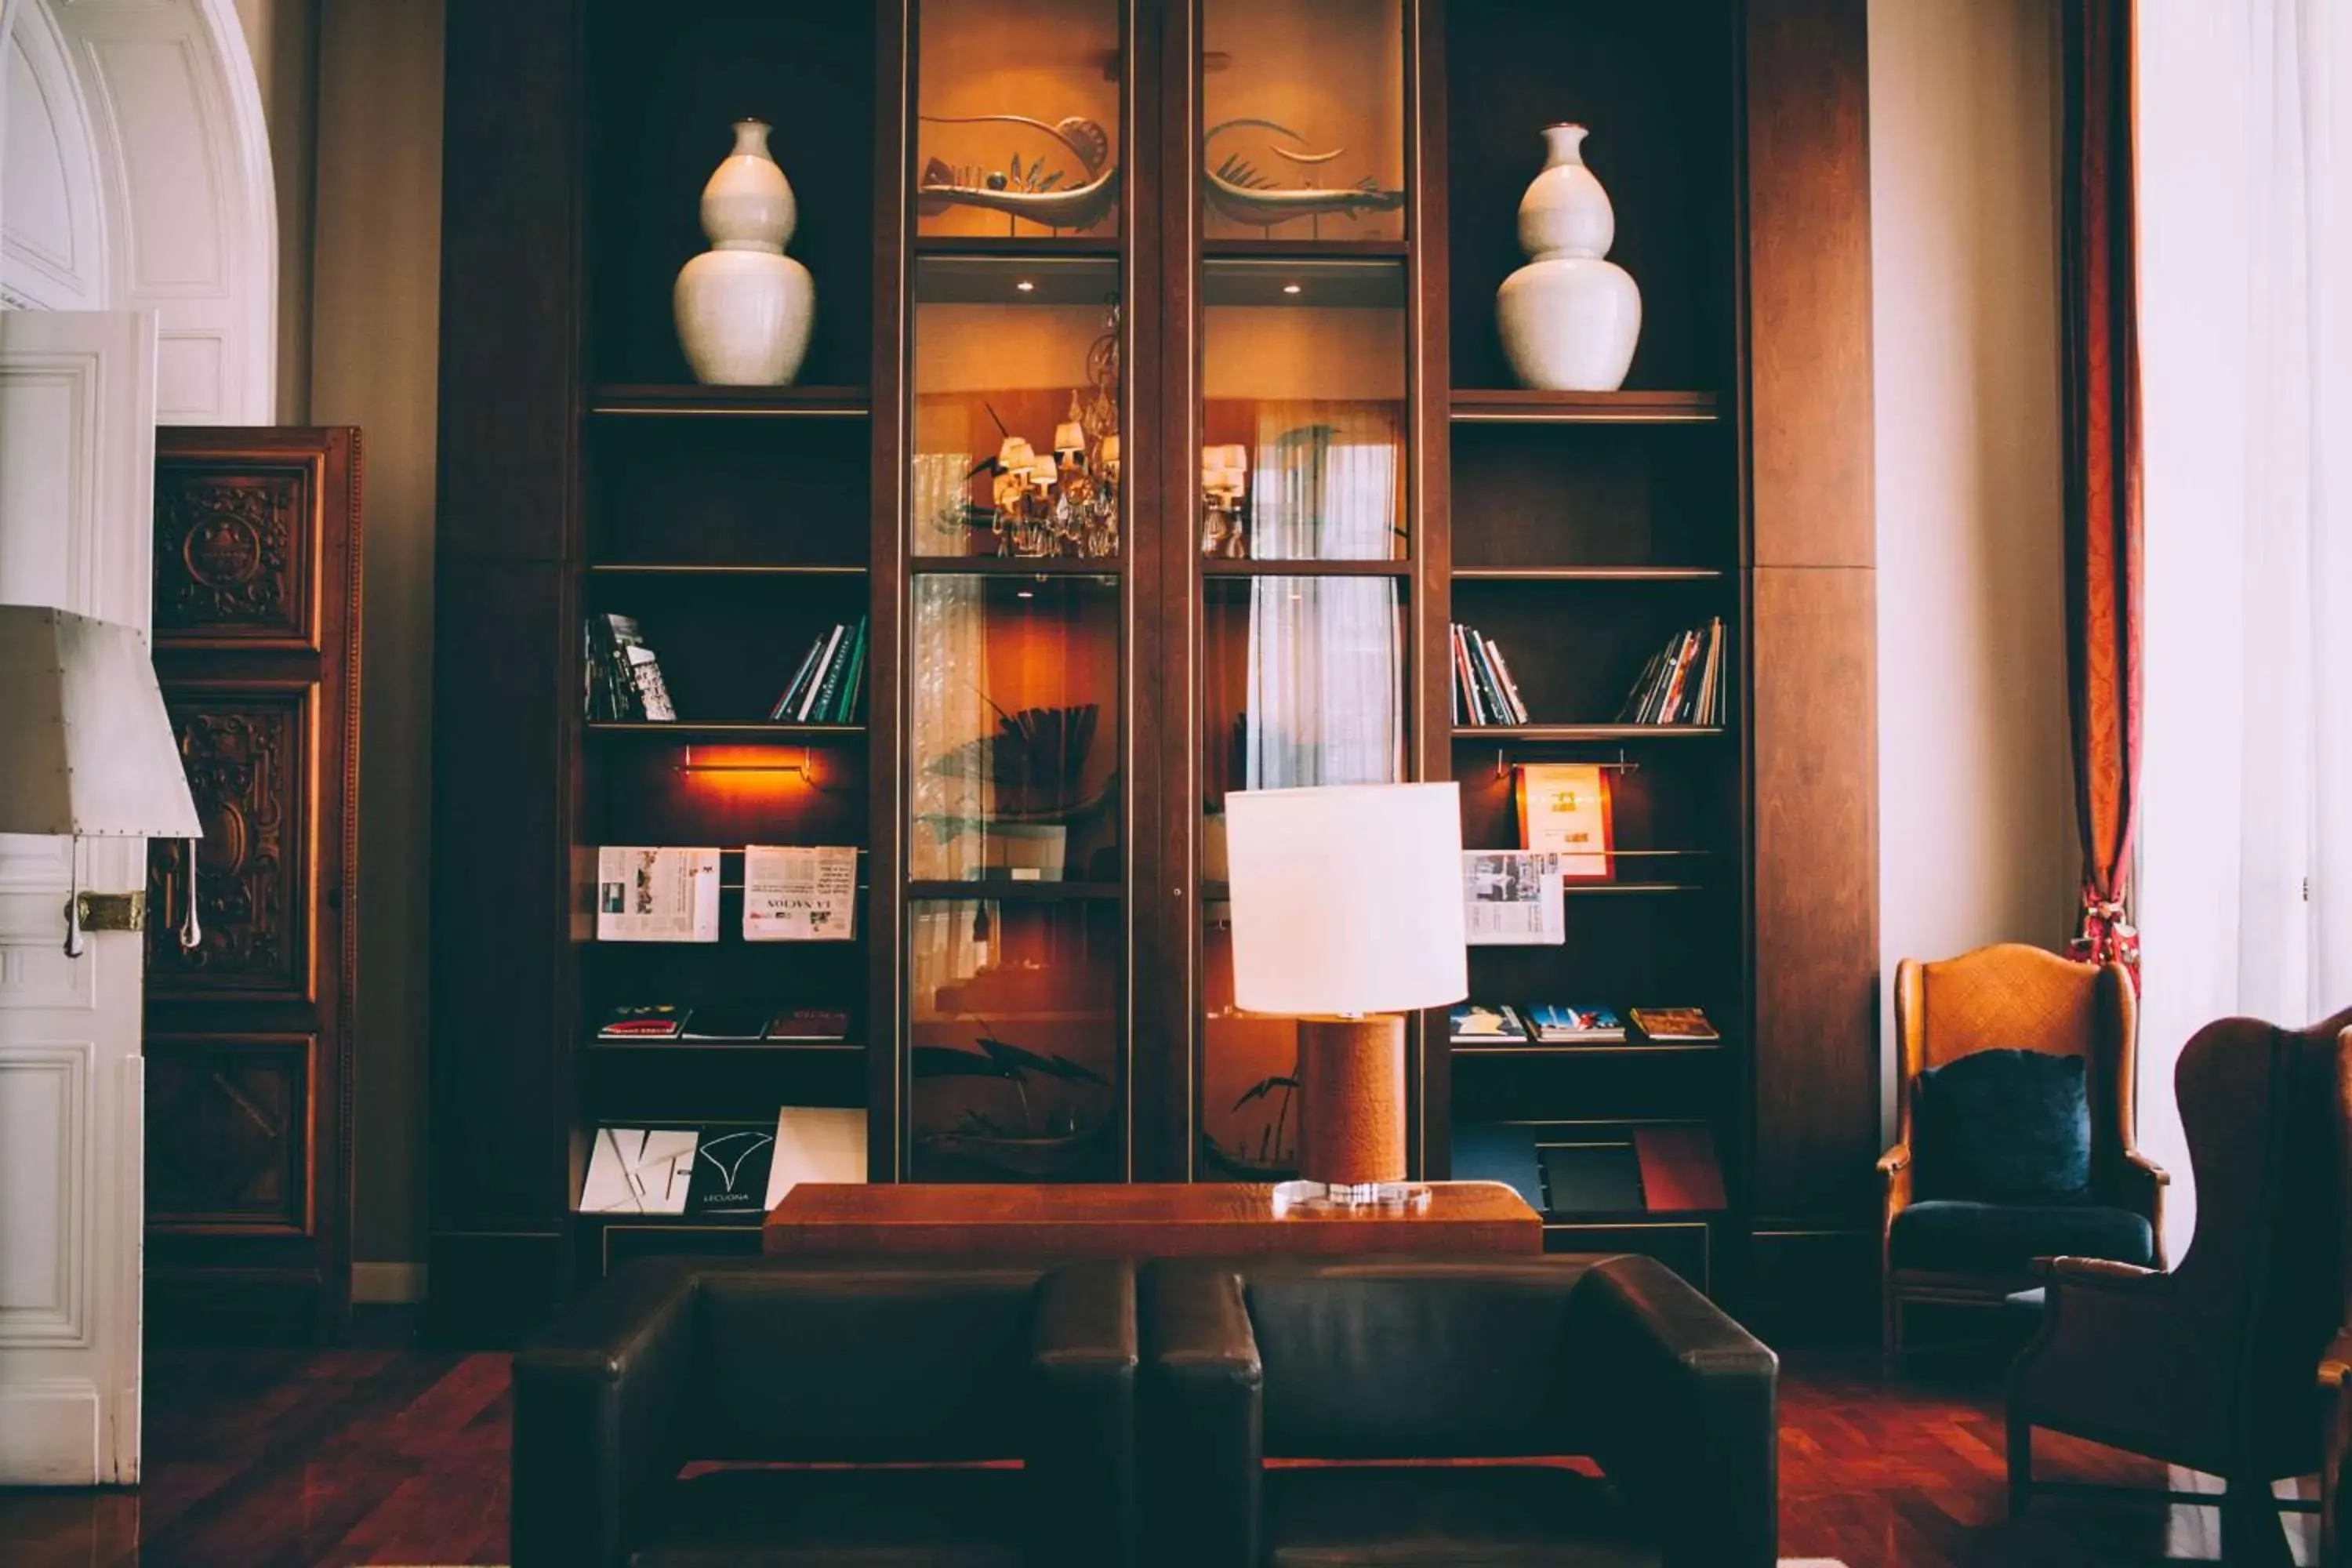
[{"x": 1351, "y": 1108}]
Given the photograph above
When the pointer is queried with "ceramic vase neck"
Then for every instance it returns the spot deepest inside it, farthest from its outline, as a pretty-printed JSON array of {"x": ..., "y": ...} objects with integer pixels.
[
  {"x": 1563, "y": 145},
  {"x": 747, "y": 205}
]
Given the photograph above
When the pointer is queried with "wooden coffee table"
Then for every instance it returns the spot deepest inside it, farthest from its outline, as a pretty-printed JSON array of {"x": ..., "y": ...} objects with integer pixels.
[{"x": 1134, "y": 1220}]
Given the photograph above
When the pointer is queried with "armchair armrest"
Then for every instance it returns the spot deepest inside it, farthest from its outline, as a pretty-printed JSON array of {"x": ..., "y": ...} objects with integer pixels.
[
  {"x": 1203, "y": 1411},
  {"x": 1081, "y": 1442},
  {"x": 596, "y": 1395},
  {"x": 1683, "y": 1409},
  {"x": 1894, "y": 1180},
  {"x": 2140, "y": 1183},
  {"x": 2096, "y": 1272}
]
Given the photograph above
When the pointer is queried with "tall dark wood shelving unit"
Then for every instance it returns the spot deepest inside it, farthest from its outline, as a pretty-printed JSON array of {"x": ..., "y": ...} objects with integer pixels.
[{"x": 582, "y": 470}]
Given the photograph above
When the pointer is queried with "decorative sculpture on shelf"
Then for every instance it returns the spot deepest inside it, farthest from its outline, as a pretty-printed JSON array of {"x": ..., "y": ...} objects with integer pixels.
[
  {"x": 1237, "y": 189},
  {"x": 1029, "y": 191}
]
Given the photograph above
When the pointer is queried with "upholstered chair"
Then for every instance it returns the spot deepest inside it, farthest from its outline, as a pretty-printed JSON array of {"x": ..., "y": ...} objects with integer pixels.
[
  {"x": 2212, "y": 1365},
  {"x": 1952, "y": 1237}
]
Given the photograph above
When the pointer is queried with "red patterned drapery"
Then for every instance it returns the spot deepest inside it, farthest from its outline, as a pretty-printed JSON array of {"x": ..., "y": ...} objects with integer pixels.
[{"x": 2101, "y": 356}]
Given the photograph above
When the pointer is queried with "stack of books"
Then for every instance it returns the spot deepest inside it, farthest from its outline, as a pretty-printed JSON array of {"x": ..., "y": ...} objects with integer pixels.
[
  {"x": 1477, "y": 1023},
  {"x": 1556, "y": 1024},
  {"x": 623, "y": 678},
  {"x": 1484, "y": 691},
  {"x": 824, "y": 691},
  {"x": 1684, "y": 683}
]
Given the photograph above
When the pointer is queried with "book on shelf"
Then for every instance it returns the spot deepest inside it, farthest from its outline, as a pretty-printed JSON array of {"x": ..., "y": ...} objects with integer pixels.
[
  {"x": 1556, "y": 1025},
  {"x": 1682, "y": 683},
  {"x": 1478, "y": 1024},
  {"x": 656, "y": 894},
  {"x": 809, "y": 1023},
  {"x": 799, "y": 892},
  {"x": 1564, "y": 809},
  {"x": 1484, "y": 692},
  {"x": 724, "y": 1023},
  {"x": 1512, "y": 897},
  {"x": 824, "y": 688},
  {"x": 654, "y": 1021},
  {"x": 623, "y": 675},
  {"x": 1596, "y": 1172},
  {"x": 1674, "y": 1025}
]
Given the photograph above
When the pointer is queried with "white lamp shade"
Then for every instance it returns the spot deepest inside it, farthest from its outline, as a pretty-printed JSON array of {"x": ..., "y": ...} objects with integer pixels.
[
  {"x": 88, "y": 746},
  {"x": 1347, "y": 899}
]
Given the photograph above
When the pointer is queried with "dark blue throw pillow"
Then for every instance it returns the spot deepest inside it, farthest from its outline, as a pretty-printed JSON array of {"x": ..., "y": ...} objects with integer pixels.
[{"x": 2003, "y": 1127}]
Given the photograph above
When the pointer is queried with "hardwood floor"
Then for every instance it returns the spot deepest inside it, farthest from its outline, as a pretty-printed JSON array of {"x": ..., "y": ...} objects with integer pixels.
[{"x": 280, "y": 1459}]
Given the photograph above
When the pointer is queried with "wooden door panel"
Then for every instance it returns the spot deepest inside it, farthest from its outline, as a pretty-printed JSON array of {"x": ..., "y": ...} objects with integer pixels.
[
  {"x": 249, "y": 1034},
  {"x": 228, "y": 1134},
  {"x": 250, "y": 754},
  {"x": 236, "y": 552}
]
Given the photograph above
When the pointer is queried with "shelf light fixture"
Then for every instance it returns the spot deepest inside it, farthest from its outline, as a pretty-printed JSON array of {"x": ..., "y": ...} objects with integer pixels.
[
  {"x": 805, "y": 766},
  {"x": 1026, "y": 287},
  {"x": 1290, "y": 287}
]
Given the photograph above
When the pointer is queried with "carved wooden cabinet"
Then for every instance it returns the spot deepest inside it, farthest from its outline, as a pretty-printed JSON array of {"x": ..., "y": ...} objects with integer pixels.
[{"x": 249, "y": 1034}]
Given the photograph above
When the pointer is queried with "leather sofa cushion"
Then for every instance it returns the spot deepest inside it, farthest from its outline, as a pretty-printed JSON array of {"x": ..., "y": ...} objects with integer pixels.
[
  {"x": 1947, "y": 1237},
  {"x": 881, "y": 1362},
  {"x": 831, "y": 1518},
  {"x": 1376, "y": 1361},
  {"x": 1448, "y": 1517},
  {"x": 2003, "y": 1127}
]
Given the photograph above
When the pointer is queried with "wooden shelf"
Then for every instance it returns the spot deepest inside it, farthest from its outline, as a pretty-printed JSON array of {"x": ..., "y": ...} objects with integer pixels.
[
  {"x": 717, "y": 569},
  {"x": 737, "y": 1048},
  {"x": 1500, "y": 406},
  {"x": 1304, "y": 568},
  {"x": 1006, "y": 889},
  {"x": 731, "y": 401},
  {"x": 1016, "y": 566},
  {"x": 1588, "y": 574},
  {"x": 1610, "y": 1048},
  {"x": 747, "y": 731},
  {"x": 1586, "y": 732}
]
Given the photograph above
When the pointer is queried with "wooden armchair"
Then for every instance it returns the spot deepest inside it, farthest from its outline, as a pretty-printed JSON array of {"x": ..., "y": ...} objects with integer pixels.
[
  {"x": 2211, "y": 1367},
  {"x": 2015, "y": 997}
]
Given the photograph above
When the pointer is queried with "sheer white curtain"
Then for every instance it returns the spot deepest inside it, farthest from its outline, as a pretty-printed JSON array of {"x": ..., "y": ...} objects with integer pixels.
[
  {"x": 2245, "y": 147},
  {"x": 1326, "y": 654}
]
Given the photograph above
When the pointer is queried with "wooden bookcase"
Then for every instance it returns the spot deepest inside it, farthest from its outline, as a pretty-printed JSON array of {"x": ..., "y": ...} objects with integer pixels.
[{"x": 583, "y": 471}]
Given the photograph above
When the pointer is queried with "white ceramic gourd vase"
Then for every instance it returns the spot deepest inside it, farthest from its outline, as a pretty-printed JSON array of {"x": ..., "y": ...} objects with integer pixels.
[
  {"x": 744, "y": 308},
  {"x": 1569, "y": 319}
]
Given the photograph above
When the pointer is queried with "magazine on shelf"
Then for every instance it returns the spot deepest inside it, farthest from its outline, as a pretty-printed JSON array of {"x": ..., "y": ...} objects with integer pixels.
[
  {"x": 721, "y": 1022},
  {"x": 656, "y": 894},
  {"x": 800, "y": 893},
  {"x": 639, "y": 1169},
  {"x": 1480, "y": 1023},
  {"x": 1512, "y": 897},
  {"x": 656, "y": 1021},
  {"x": 1561, "y": 1026},
  {"x": 809, "y": 1023},
  {"x": 1675, "y": 1024},
  {"x": 1564, "y": 809},
  {"x": 731, "y": 1171},
  {"x": 816, "y": 1144}
]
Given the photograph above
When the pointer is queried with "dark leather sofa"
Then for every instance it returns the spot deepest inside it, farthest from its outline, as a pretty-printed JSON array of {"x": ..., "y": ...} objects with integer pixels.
[
  {"x": 774, "y": 1370},
  {"x": 1374, "y": 1362}
]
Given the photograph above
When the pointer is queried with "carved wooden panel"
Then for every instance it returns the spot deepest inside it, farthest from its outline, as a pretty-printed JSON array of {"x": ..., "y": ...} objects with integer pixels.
[
  {"x": 248, "y": 756},
  {"x": 236, "y": 552},
  {"x": 228, "y": 1134}
]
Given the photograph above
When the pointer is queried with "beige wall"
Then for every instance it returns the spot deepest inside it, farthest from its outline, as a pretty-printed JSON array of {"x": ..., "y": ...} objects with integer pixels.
[
  {"x": 1975, "y": 814},
  {"x": 352, "y": 88}
]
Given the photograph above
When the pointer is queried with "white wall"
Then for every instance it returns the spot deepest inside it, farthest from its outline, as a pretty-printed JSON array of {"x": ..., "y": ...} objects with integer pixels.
[{"x": 1976, "y": 824}]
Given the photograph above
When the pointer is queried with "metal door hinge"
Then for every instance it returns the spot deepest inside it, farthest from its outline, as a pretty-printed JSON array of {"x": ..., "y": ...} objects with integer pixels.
[{"x": 112, "y": 912}]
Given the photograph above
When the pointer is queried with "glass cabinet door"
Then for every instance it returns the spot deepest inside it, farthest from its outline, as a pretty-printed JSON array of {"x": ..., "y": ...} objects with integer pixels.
[
  {"x": 1017, "y": 837},
  {"x": 1303, "y": 519}
]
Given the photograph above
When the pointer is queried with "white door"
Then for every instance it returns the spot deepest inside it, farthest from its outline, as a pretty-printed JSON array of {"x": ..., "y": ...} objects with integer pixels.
[{"x": 77, "y": 483}]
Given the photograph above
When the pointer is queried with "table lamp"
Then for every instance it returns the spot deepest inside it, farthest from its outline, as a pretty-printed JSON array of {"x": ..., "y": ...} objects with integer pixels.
[
  {"x": 1347, "y": 912},
  {"x": 90, "y": 749}
]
